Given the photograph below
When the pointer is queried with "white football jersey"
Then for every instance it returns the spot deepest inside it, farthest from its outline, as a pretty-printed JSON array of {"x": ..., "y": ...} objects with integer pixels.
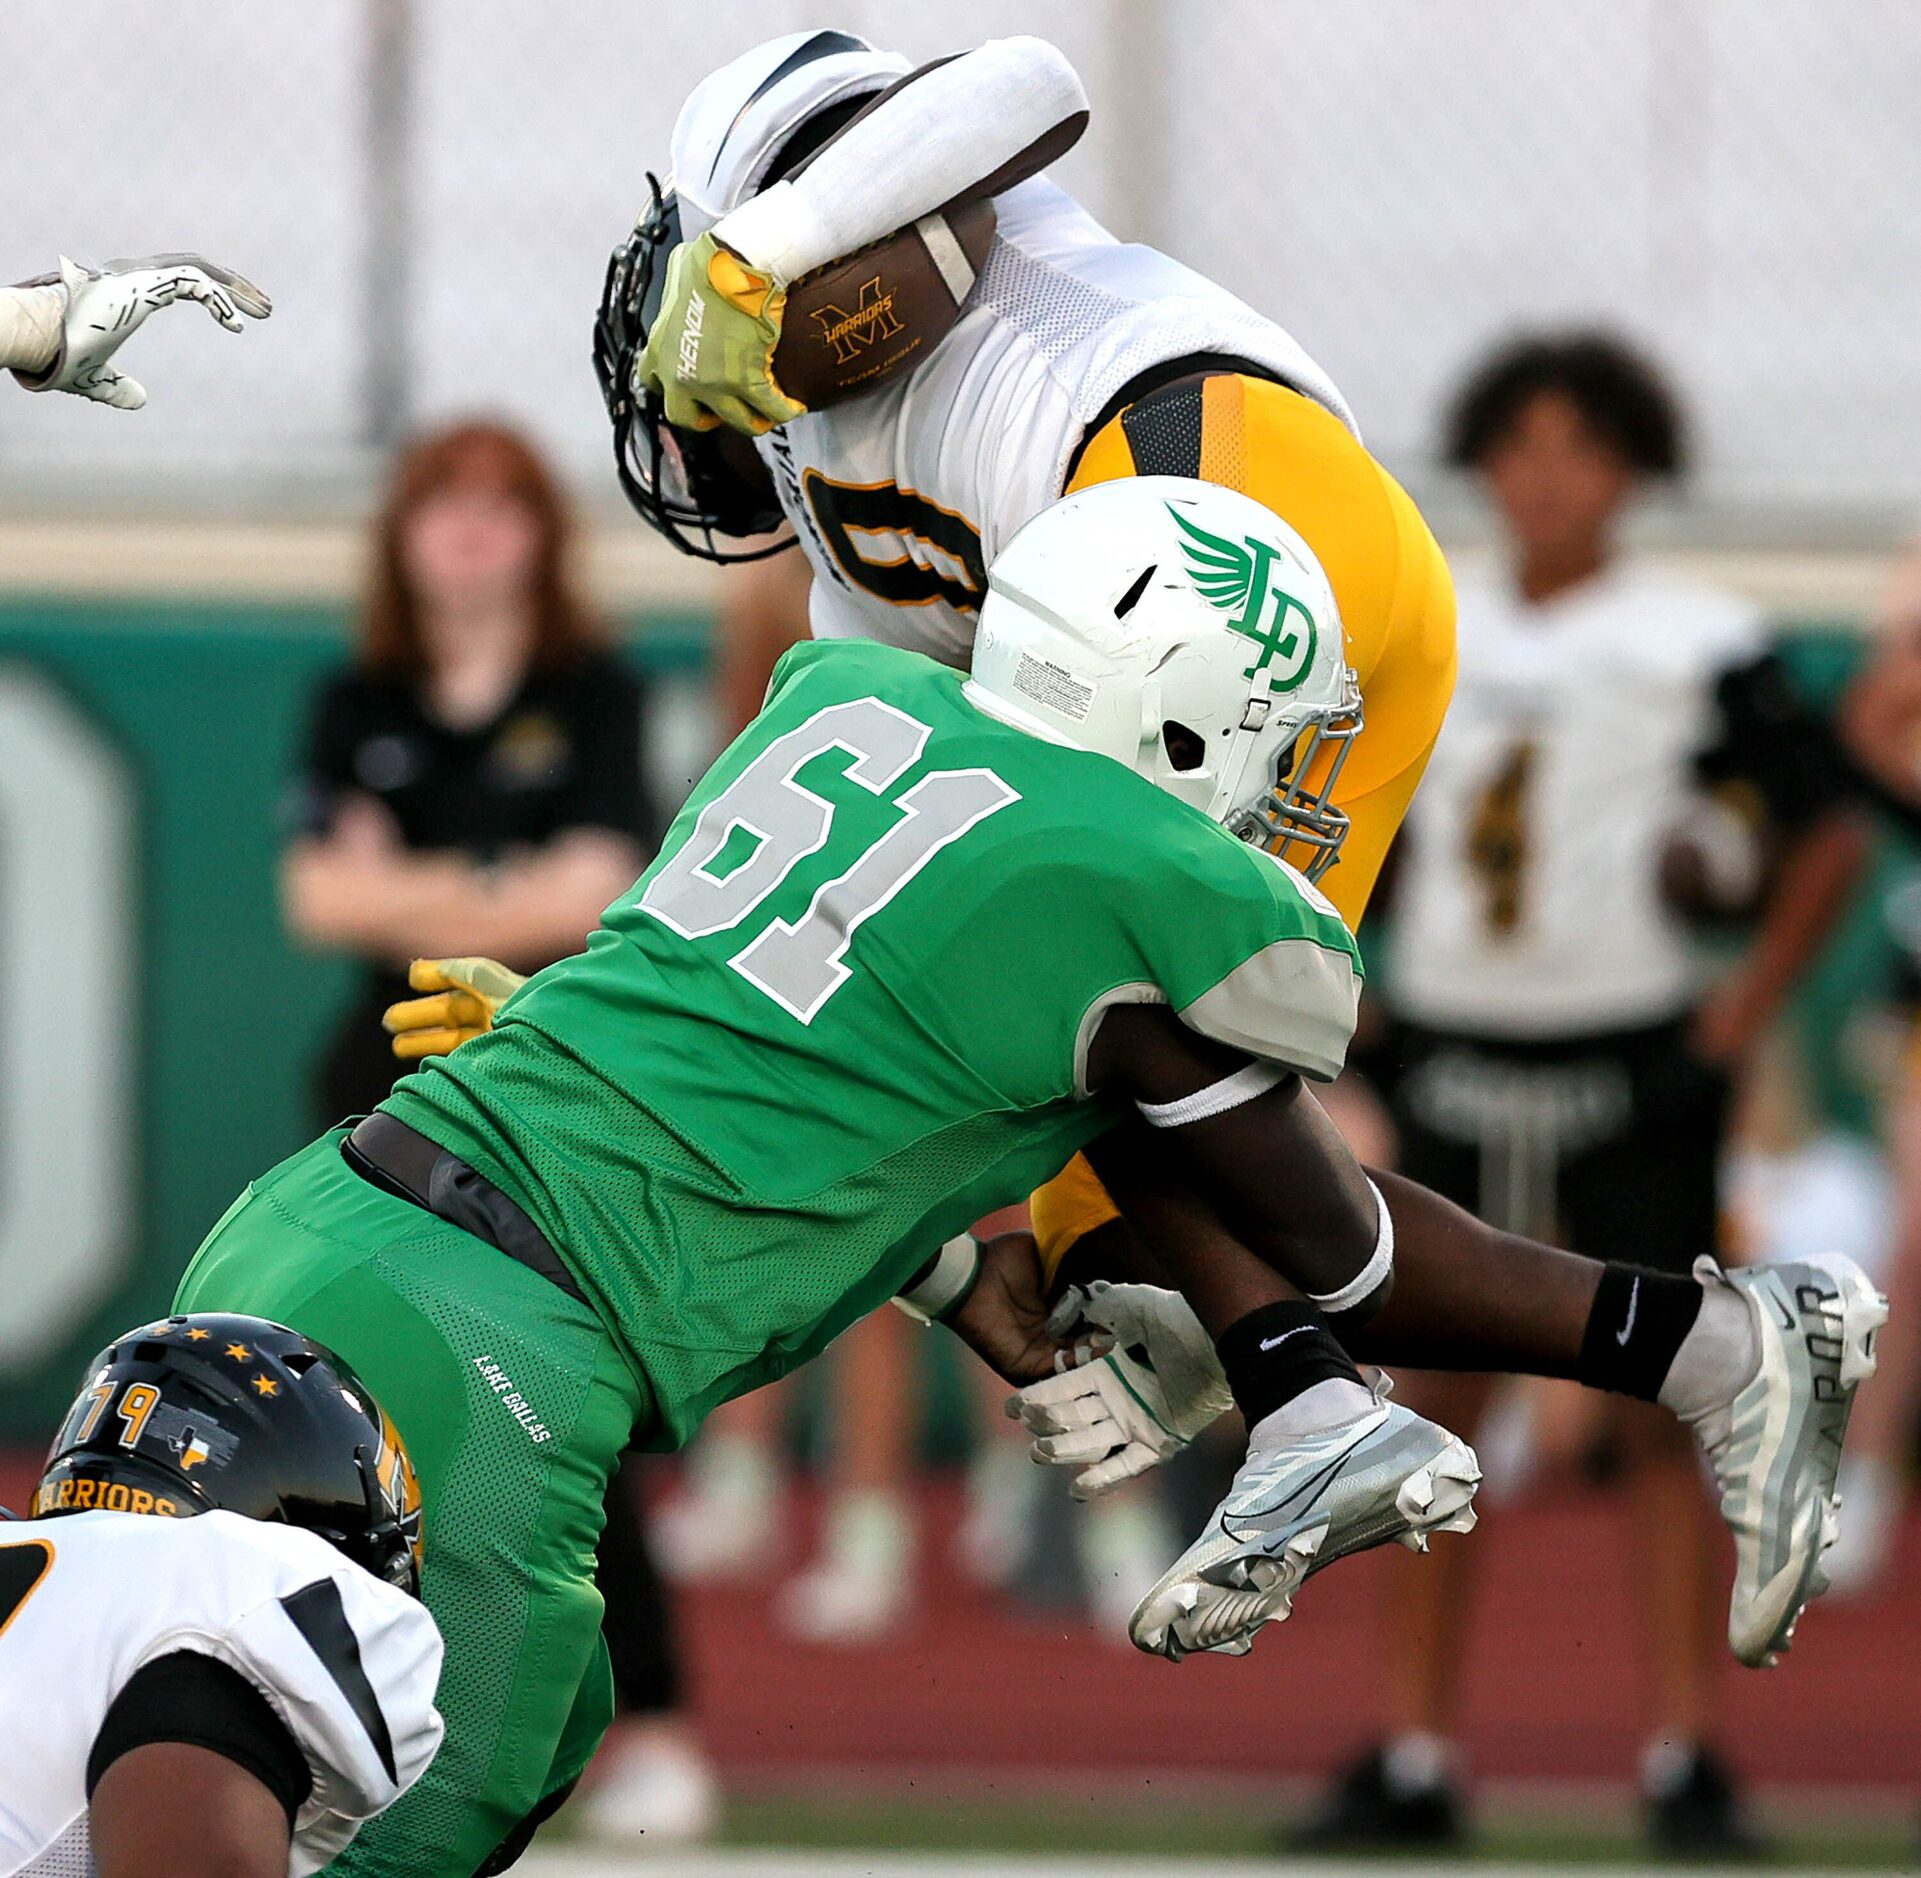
[
  {"x": 348, "y": 1663},
  {"x": 901, "y": 497},
  {"x": 1529, "y": 902}
]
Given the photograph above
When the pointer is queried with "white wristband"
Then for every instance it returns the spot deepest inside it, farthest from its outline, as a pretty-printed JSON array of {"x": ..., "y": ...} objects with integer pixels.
[
  {"x": 948, "y": 1281},
  {"x": 1255, "y": 1079},
  {"x": 1372, "y": 1275},
  {"x": 775, "y": 231},
  {"x": 31, "y": 328}
]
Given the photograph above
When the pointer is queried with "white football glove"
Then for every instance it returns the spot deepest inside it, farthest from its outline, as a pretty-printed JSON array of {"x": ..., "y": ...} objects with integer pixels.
[
  {"x": 1146, "y": 1381},
  {"x": 106, "y": 306}
]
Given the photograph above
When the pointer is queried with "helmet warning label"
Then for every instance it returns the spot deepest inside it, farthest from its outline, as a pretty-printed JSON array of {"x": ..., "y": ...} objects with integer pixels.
[{"x": 1054, "y": 686}]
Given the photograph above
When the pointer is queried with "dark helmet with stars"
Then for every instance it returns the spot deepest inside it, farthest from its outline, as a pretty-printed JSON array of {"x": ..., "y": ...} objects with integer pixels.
[{"x": 217, "y": 1412}]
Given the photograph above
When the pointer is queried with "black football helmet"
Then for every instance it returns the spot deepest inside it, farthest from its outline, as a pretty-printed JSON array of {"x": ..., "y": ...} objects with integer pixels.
[
  {"x": 679, "y": 482},
  {"x": 213, "y": 1412}
]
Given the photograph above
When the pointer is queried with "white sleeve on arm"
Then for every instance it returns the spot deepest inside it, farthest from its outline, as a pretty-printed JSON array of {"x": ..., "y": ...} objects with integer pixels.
[
  {"x": 31, "y": 320},
  {"x": 942, "y": 132},
  {"x": 835, "y": 614},
  {"x": 351, "y": 1665},
  {"x": 1295, "y": 1003}
]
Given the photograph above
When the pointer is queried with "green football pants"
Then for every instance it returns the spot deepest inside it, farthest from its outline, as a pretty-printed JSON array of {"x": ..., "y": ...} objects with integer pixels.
[{"x": 515, "y": 1405}]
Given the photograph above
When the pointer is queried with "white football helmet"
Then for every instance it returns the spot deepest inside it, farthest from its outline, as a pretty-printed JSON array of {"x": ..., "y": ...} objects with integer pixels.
[
  {"x": 737, "y": 118},
  {"x": 1184, "y": 630}
]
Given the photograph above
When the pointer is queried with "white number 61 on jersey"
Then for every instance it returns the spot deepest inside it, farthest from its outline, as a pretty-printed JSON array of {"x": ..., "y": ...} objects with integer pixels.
[{"x": 800, "y": 963}]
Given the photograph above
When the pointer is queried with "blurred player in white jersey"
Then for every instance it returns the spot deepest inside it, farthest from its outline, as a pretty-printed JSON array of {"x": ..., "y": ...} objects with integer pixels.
[
  {"x": 213, "y": 1655},
  {"x": 60, "y": 331},
  {"x": 1623, "y": 755}
]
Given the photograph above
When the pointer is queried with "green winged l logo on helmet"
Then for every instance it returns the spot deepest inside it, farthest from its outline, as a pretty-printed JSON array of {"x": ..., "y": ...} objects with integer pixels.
[{"x": 1235, "y": 576}]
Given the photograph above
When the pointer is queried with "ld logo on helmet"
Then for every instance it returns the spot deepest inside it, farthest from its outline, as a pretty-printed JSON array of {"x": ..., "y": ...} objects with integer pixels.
[{"x": 1235, "y": 576}]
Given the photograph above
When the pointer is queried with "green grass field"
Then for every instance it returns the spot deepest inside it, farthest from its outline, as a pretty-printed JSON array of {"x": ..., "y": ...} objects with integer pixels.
[
  {"x": 1023, "y": 1831},
  {"x": 1220, "y": 1830}
]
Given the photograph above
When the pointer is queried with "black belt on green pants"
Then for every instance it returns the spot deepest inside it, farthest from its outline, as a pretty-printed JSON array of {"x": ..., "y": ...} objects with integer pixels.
[{"x": 403, "y": 1162}]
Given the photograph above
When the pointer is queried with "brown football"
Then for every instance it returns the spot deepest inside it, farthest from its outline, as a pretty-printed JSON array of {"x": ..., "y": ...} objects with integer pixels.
[{"x": 876, "y": 313}]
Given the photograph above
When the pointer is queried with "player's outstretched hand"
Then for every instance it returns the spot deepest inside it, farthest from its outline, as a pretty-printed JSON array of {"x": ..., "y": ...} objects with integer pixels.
[
  {"x": 1145, "y": 1381},
  {"x": 106, "y": 306},
  {"x": 1004, "y": 1319},
  {"x": 466, "y": 994}
]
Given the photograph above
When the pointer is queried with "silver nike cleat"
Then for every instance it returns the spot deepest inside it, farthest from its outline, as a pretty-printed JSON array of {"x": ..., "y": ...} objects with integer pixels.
[
  {"x": 1294, "y": 1511},
  {"x": 1775, "y": 1448}
]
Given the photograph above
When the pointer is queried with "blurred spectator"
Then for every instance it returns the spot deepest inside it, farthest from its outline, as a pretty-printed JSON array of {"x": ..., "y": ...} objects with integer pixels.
[
  {"x": 1623, "y": 758},
  {"x": 473, "y": 784},
  {"x": 1881, "y": 722},
  {"x": 472, "y": 780}
]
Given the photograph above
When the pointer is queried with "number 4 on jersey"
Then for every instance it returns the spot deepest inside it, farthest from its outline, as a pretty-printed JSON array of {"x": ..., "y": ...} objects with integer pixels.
[{"x": 800, "y": 963}]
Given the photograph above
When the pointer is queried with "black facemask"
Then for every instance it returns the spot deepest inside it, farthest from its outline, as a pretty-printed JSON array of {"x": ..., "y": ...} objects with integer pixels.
[{"x": 678, "y": 481}]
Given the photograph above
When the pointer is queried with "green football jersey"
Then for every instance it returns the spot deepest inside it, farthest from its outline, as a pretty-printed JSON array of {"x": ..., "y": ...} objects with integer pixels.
[{"x": 847, "y": 1012}]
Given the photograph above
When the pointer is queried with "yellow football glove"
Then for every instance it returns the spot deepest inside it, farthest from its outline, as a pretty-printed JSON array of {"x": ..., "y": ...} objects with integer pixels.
[
  {"x": 710, "y": 354},
  {"x": 467, "y": 994}
]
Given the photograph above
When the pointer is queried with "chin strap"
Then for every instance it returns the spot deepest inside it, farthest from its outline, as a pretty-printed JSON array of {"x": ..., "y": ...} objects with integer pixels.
[{"x": 386, "y": 1547}]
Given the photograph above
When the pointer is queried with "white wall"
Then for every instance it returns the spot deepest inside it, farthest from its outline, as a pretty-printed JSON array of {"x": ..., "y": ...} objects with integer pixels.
[
  {"x": 1398, "y": 181},
  {"x": 1738, "y": 183}
]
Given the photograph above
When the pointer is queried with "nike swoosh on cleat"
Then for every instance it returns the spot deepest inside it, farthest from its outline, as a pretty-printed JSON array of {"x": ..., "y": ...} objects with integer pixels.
[
  {"x": 1318, "y": 1482},
  {"x": 1622, "y": 1335}
]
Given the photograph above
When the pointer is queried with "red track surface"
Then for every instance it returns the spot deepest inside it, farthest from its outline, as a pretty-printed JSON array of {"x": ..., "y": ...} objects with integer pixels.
[{"x": 1551, "y": 1682}]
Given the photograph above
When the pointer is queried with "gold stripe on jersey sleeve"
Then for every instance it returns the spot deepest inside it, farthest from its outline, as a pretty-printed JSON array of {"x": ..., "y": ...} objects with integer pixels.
[{"x": 1223, "y": 432}]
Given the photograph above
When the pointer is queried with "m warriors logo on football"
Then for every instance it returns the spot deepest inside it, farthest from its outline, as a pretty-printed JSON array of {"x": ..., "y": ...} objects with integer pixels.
[{"x": 852, "y": 333}]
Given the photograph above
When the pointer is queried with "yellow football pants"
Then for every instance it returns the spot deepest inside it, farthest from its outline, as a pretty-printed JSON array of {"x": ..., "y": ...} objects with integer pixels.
[{"x": 1397, "y": 608}]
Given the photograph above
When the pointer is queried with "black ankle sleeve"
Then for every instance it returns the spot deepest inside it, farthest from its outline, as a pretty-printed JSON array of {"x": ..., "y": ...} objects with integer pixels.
[
  {"x": 1639, "y": 1322},
  {"x": 1272, "y": 1354}
]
